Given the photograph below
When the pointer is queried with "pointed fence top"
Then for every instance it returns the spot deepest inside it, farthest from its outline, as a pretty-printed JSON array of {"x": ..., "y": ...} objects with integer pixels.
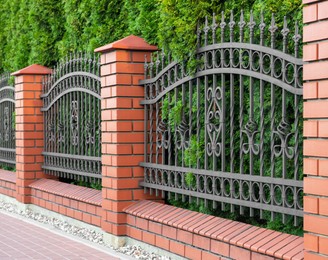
[
  {"x": 34, "y": 69},
  {"x": 131, "y": 42}
]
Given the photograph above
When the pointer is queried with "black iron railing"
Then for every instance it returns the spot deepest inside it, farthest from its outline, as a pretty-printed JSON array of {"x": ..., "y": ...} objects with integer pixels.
[
  {"x": 230, "y": 133},
  {"x": 7, "y": 122},
  {"x": 71, "y": 97}
]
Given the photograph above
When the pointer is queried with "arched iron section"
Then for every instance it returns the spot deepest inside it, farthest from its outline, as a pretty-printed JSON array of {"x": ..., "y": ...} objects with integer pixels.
[
  {"x": 71, "y": 106},
  {"x": 230, "y": 133},
  {"x": 7, "y": 122}
]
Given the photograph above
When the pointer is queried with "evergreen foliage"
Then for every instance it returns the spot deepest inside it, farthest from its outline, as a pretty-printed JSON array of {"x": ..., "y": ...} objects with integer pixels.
[{"x": 43, "y": 31}]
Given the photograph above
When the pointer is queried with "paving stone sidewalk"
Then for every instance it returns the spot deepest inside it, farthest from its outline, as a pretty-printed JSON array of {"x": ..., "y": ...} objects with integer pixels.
[{"x": 20, "y": 239}]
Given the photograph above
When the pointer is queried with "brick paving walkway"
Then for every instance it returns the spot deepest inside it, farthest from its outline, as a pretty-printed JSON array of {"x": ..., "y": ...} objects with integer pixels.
[{"x": 21, "y": 240}]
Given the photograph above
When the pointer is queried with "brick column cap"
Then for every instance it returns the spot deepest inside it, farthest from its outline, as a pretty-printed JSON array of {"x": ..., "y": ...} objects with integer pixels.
[
  {"x": 34, "y": 69},
  {"x": 131, "y": 42}
]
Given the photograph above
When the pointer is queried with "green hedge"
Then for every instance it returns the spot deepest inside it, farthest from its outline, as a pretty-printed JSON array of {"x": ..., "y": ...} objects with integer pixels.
[{"x": 43, "y": 31}]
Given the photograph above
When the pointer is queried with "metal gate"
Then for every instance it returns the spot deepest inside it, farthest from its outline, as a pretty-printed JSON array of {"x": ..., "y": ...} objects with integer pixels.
[
  {"x": 7, "y": 122},
  {"x": 229, "y": 134},
  {"x": 71, "y": 98}
]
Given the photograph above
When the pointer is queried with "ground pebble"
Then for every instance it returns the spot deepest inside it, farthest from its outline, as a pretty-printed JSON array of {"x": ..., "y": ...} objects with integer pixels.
[{"x": 90, "y": 235}]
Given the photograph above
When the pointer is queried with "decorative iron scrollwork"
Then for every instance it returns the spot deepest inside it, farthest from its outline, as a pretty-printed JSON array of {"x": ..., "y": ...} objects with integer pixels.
[
  {"x": 163, "y": 135},
  {"x": 251, "y": 130},
  {"x": 90, "y": 138},
  {"x": 214, "y": 121},
  {"x": 6, "y": 124},
  {"x": 284, "y": 133},
  {"x": 51, "y": 132},
  {"x": 182, "y": 135},
  {"x": 61, "y": 137},
  {"x": 75, "y": 122}
]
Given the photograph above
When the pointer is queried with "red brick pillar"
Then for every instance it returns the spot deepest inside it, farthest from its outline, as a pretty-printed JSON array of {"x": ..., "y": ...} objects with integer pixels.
[
  {"x": 29, "y": 128},
  {"x": 315, "y": 76},
  {"x": 122, "y": 66}
]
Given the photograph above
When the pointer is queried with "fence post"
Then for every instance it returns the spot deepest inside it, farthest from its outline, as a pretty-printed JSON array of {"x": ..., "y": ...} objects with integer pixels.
[
  {"x": 315, "y": 75},
  {"x": 29, "y": 128},
  {"x": 122, "y": 66}
]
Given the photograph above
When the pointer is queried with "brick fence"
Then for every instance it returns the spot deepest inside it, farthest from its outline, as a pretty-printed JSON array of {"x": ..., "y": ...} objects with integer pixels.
[{"x": 122, "y": 209}]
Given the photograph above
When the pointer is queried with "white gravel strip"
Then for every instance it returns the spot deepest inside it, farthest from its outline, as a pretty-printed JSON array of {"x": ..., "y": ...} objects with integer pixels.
[{"x": 84, "y": 233}]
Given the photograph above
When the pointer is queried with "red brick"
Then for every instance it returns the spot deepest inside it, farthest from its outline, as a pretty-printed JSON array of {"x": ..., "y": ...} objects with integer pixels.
[
  {"x": 323, "y": 10},
  {"x": 310, "y": 13},
  {"x": 86, "y": 217},
  {"x": 313, "y": 109},
  {"x": 323, "y": 129},
  {"x": 323, "y": 206},
  {"x": 193, "y": 253},
  {"x": 135, "y": 233},
  {"x": 184, "y": 236},
  {"x": 202, "y": 242},
  {"x": 323, "y": 50},
  {"x": 310, "y": 52},
  {"x": 316, "y": 224},
  {"x": 323, "y": 89},
  {"x": 310, "y": 90},
  {"x": 316, "y": 148},
  {"x": 142, "y": 223},
  {"x": 311, "y": 166},
  {"x": 148, "y": 238},
  {"x": 177, "y": 248},
  {"x": 316, "y": 186},
  {"x": 315, "y": 32},
  {"x": 311, "y": 204},
  {"x": 323, "y": 167},
  {"x": 96, "y": 221},
  {"x": 155, "y": 227},
  {"x": 169, "y": 232},
  {"x": 311, "y": 242},
  {"x": 323, "y": 245},
  {"x": 163, "y": 242},
  {"x": 220, "y": 248},
  {"x": 310, "y": 128},
  {"x": 239, "y": 253}
]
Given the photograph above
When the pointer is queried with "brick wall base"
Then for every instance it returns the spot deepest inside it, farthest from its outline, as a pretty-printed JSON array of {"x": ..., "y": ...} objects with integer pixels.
[
  {"x": 8, "y": 183},
  {"x": 198, "y": 236}
]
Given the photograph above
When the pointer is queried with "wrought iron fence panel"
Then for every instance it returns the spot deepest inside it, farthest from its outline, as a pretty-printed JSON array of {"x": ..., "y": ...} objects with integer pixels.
[
  {"x": 7, "y": 122},
  {"x": 230, "y": 133},
  {"x": 71, "y": 98}
]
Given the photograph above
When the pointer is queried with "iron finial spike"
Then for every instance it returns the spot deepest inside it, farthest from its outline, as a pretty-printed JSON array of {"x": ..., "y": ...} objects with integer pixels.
[
  {"x": 222, "y": 26},
  {"x": 262, "y": 26},
  {"x": 251, "y": 26},
  {"x": 206, "y": 29},
  {"x": 273, "y": 27},
  {"x": 285, "y": 29},
  {"x": 214, "y": 26},
  {"x": 241, "y": 24},
  {"x": 296, "y": 38},
  {"x": 231, "y": 25},
  {"x": 251, "y": 23}
]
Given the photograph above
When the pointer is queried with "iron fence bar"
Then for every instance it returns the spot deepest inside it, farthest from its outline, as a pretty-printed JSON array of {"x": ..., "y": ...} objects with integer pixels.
[
  {"x": 222, "y": 174},
  {"x": 244, "y": 203}
]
